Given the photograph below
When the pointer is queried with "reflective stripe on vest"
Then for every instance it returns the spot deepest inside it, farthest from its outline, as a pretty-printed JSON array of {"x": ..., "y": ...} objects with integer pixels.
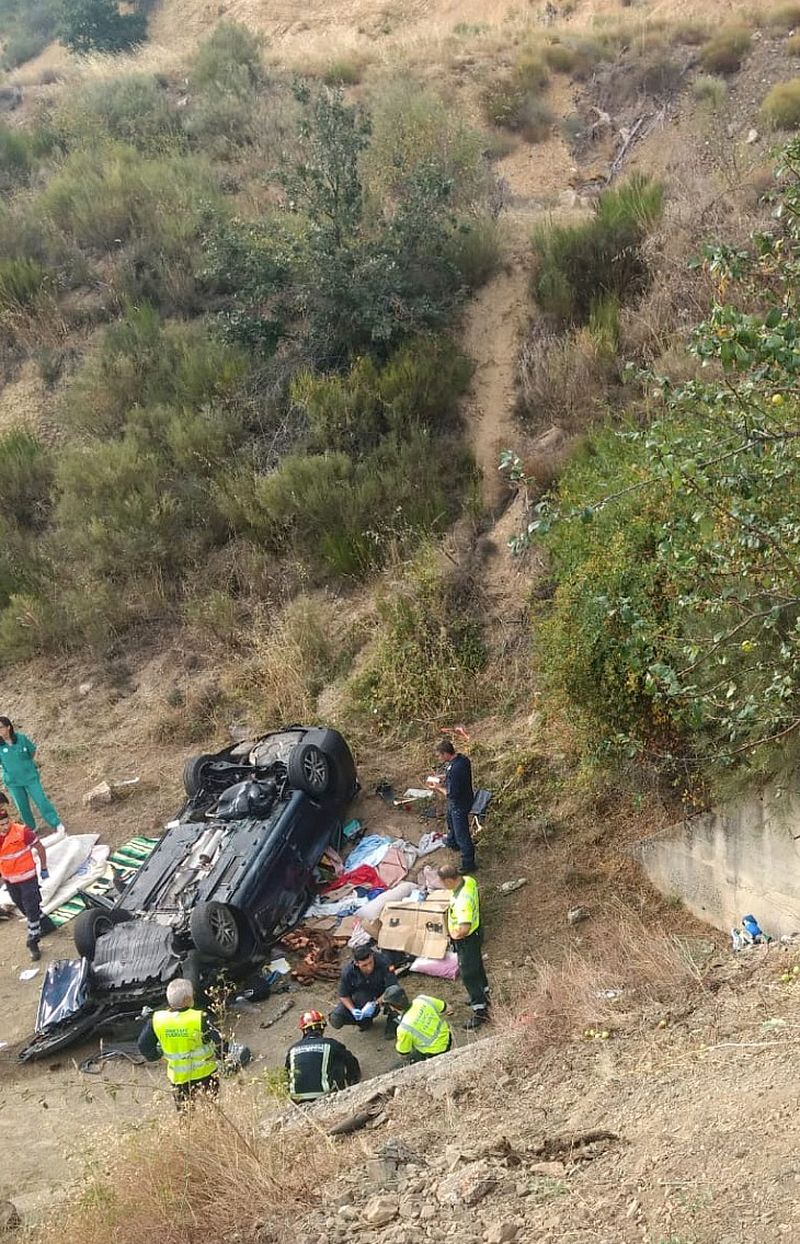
[
  {"x": 464, "y": 906},
  {"x": 324, "y": 1079},
  {"x": 180, "y": 1035},
  {"x": 16, "y": 859},
  {"x": 423, "y": 1023}
]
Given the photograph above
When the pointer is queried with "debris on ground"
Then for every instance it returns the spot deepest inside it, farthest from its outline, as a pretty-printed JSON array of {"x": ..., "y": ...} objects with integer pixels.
[
  {"x": 282, "y": 1010},
  {"x": 576, "y": 915},
  {"x": 104, "y": 793},
  {"x": 508, "y": 887},
  {"x": 320, "y": 956}
]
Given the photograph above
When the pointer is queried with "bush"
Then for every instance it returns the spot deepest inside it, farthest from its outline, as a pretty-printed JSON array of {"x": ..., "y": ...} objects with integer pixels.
[
  {"x": 27, "y": 478},
  {"x": 427, "y": 654},
  {"x": 23, "y": 46},
  {"x": 413, "y": 126},
  {"x": 793, "y": 45},
  {"x": 530, "y": 72},
  {"x": 476, "y": 250},
  {"x": 420, "y": 384},
  {"x": 229, "y": 60},
  {"x": 560, "y": 57},
  {"x": 220, "y": 123},
  {"x": 579, "y": 264},
  {"x": 564, "y": 380},
  {"x": 21, "y": 283},
  {"x": 99, "y": 26},
  {"x": 726, "y": 50},
  {"x": 781, "y": 107},
  {"x": 785, "y": 17},
  {"x": 690, "y": 32},
  {"x": 131, "y": 109},
  {"x": 710, "y": 90},
  {"x": 344, "y": 71},
  {"x": 143, "y": 362}
]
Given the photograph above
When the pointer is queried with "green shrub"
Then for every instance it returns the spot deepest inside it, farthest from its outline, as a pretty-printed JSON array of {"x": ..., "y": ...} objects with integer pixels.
[
  {"x": 725, "y": 51},
  {"x": 784, "y": 17},
  {"x": 579, "y": 264},
  {"x": 131, "y": 109},
  {"x": 710, "y": 90},
  {"x": 221, "y": 123},
  {"x": 228, "y": 60},
  {"x": 104, "y": 197},
  {"x": 99, "y": 26},
  {"x": 27, "y": 478},
  {"x": 413, "y": 126},
  {"x": 23, "y": 46},
  {"x": 344, "y": 71},
  {"x": 428, "y": 653},
  {"x": 21, "y": 283},
  {"x": 560, "y": 57},
  {"x": 141, "y": 361},
  {"x": 530, "y": 71},
  {"x": 476, "y": 250},
  {"x": 781, "y": 106},
  {"x": 693, "y": 33},
  {"x": 420, "y": 384},
  {"x": 793, "y": 45},
  {"x": 29, "y": 625}
]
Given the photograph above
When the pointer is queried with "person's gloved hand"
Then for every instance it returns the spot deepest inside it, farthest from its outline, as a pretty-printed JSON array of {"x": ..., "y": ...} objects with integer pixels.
[
  {"x": 368, "y": 1010},
  {"x": 357, "y": 1014},
  {"x": 44, "y": 874}
]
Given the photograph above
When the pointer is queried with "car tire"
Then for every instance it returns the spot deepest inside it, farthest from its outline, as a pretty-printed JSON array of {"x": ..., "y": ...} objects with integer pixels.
[
  {"x": 194, "y": 774},
  {"x": 310, "y": 770},
  {"x": 215, "y": 930},
  {"x": 93, "y": 923}
]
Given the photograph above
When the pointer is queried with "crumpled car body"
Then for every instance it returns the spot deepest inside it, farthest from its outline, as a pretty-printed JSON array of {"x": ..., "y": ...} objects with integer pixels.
[{"x": 231, "y": 873}]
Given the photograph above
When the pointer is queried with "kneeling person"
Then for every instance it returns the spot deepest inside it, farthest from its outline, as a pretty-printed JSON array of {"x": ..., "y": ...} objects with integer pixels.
[
  {"x": 362, "y": 985},
  {"x": 318, "y": 1065},
  {"x": 421, "y": 1030}
]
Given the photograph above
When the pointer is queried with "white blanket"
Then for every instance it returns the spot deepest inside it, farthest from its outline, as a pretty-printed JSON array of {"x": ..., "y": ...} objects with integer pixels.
[{"x": 73, "y": 862}]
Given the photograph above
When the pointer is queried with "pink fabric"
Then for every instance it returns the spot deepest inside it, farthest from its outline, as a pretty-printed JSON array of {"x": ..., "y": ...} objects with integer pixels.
[
  {"x": 364, "y": 875},
  {"x": 393, "y": 868},
  {"x": 446, "y": 968}
]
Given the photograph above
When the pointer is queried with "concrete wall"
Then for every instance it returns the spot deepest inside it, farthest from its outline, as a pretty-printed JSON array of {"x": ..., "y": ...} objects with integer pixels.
[{"x": 740, "y": 859}]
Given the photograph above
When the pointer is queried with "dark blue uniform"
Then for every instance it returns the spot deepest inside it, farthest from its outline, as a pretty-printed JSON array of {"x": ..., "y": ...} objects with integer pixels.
[{"x": 460, "y": 796}]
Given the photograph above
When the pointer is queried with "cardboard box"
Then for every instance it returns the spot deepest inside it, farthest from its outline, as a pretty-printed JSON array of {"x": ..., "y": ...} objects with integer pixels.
[{"x": 417, "y": 928}]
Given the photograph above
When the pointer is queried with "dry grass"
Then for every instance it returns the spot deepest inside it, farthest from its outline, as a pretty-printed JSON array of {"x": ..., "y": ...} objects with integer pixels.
[
  {"x": 210, "y": 1176},
  {"x": 563, "y": 379},
  {"x": 605, "y": 987}
]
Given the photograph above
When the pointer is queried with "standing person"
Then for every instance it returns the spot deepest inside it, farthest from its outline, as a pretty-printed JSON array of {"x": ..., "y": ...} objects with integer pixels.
[
  {"x": 186, "y": 1038},
  {"x": 18, "y": 844},
  {"x": 318, "y": 1065},
  {"x": 421, "y": 1031},
  {"x": 460, "y": 797},
  {"x": 466, "y": 934},
  {"x": 362, "y": 984},
  {"x": 21, "y": 776}
]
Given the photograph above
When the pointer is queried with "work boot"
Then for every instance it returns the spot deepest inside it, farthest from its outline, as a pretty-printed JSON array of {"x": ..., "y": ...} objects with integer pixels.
[
  {"x": 476, "y": 1020},
  {"x": 34, "y": 951}
]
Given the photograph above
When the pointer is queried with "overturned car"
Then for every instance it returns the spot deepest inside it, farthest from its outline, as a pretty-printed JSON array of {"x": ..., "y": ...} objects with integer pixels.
[{"x": 230, "y": 875}]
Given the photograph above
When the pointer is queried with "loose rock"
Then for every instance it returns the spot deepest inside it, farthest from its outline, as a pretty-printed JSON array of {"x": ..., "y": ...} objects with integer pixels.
[
  {"x": 467, "y": 1186},
  {"x": 381, "y": 1210}
]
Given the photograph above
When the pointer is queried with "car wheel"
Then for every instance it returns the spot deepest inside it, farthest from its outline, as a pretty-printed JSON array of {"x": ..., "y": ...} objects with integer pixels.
[
  {"x": 92, "y": 923},
  {"x": 195, "y": 774},
  {"x": 310, "y": 770},
  {"x": 215, "y": 931}
]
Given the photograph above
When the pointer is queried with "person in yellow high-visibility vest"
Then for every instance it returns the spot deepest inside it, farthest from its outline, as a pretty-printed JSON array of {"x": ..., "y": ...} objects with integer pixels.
[
  {"x": 185, "y": 1037},
  {"x": 466, "y": 936},
  {"x": 422, "y": 1032}
]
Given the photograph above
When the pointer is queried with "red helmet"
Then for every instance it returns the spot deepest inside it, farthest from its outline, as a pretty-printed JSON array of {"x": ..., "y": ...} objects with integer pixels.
[{"x": 311, "y": 1019}]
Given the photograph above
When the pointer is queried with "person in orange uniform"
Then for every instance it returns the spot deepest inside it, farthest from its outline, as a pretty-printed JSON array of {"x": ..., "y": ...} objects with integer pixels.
[{"x": 18, "y": 845}]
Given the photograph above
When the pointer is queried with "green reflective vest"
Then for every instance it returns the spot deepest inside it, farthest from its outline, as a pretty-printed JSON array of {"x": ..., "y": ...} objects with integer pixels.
[
  {"x": 464, "y": 906},
  {"x": 180, "y": 1035},
  {"x": 422, "y": 1028}
]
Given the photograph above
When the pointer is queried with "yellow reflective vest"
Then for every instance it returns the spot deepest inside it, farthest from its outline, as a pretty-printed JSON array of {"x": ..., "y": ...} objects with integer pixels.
[
  {"x": 422, "y": 1028},
  {"x": 188, "y": 1055},
  {"x": 464, "y": 907}
]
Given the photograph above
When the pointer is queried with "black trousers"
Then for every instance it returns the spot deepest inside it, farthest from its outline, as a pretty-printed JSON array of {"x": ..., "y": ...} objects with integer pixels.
[
  {"x": 196, "y": 1090},
  {"x": 27, "y": 898},
  {"x": 473, "y": 973},
  {"x": 459, "y": 838}
]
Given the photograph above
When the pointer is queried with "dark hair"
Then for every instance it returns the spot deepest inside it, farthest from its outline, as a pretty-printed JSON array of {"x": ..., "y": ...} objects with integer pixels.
[
  {"x": 363, "y": 952},
  {"x": 3, "y": 798},
  {"x": 445, "y": 747},
  {"x": 6, "y": 721},
  {"x": 449, "y": 872}
]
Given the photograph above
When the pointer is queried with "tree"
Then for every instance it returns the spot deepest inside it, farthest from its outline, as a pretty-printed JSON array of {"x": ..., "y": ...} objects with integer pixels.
[{"x": 98, "y": 26}]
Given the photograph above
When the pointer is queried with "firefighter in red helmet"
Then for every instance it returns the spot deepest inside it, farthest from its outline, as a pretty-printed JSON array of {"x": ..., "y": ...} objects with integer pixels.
[{"x": 318, "y": 1065}]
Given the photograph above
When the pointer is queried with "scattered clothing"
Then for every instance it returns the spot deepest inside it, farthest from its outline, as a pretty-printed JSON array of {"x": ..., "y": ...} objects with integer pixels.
[
  {"x": 445, "y": 969},
  {"x": 394, "y": 866},
  {"x": 370, "y": 850},
  {"x": 319, "y": 1065},
  {"x": 429, "y": 842},
  {"x": 364, "y": 875}
]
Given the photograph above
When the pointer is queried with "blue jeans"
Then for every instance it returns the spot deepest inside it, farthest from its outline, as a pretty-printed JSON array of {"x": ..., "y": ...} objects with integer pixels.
[
  {"x": 22, "y": 796},
  {"x": 459, "y": 837}
]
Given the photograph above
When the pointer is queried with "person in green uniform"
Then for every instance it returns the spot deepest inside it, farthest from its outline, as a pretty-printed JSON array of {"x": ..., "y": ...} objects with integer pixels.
[{"x": 21, "y": 776}]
